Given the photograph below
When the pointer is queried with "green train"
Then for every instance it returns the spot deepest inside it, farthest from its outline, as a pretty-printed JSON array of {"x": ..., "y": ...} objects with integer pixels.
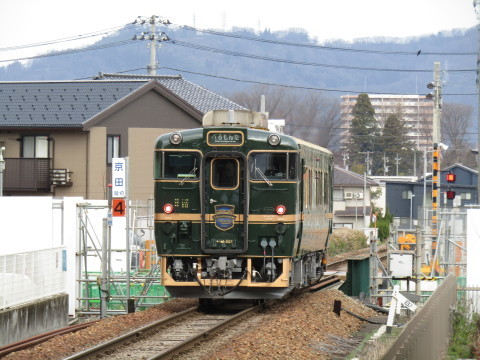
[{"x": 240, "y": 212}]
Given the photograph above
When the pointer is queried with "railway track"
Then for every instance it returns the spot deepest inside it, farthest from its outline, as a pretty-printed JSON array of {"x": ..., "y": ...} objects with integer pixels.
[
  {"x": 34, "y": 340},
  {"x": 166, "y": 337},
  {"x": 177, "y": 333}
]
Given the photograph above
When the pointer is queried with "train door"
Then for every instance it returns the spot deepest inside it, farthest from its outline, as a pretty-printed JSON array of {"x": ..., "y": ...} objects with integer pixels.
[{"x": 224, "y": 220}]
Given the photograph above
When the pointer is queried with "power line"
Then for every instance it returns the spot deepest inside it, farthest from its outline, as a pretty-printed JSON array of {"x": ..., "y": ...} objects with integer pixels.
[
  {"x": 258, "y": 57},
  {"x": 72, "y": 51},
  {"x": 67, "y": 39},
  {"x": 322, "y": 47},
  {"x": 294, "y": 86}
]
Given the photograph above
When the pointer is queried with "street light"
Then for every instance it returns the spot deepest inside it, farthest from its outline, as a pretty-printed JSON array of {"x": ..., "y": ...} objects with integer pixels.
[{"x": 411, "y": 207}]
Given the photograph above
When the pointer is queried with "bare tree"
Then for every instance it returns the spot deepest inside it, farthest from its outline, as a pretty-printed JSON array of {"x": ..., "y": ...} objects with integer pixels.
[
  {"x": 308, "y": 115},
  {"x": 456, "y": 121}
]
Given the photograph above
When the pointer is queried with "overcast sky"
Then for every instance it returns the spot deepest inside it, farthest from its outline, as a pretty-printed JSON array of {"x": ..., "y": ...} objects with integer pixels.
[{"x": 31, "y": 21}]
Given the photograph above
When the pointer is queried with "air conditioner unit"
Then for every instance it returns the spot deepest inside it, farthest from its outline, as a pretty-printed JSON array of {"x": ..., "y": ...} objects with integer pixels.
[
  {"x": 358, "y": 195},
  {"x": 348, "y": 195}
]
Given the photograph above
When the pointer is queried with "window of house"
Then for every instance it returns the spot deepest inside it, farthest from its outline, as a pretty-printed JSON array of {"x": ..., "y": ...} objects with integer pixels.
[
  {"x": 113, "y": 147},
  {"x": 466, "y": 196},
  {"x": 407, "y": 194},
  {"x": 35, "y": 146},
  {"x": 338, "y": 194}
]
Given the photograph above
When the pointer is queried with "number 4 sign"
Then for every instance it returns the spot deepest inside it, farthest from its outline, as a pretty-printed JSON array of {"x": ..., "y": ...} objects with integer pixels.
[{"x": 118, "y": 207}]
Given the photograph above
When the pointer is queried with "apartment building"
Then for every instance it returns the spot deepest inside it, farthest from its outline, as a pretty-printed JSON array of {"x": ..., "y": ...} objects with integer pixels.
[{"x": 416, "y": 111}]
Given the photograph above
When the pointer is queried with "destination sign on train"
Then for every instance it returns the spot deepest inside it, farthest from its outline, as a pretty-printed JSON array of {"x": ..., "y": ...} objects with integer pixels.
[{"x": 225, "y": 138}]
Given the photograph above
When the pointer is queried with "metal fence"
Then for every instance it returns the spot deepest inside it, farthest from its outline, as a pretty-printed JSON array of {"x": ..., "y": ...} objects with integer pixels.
[
  {"x": 427, "y": 335},
  {"x": 32, "y": 275}
]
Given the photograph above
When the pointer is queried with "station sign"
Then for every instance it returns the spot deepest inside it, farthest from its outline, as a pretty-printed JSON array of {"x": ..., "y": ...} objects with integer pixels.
[{"x": 119, "y": 178}]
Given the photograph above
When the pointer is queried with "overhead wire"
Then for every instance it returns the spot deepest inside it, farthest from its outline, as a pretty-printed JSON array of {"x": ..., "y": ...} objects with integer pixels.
[
  {"x": 259, "y": 57},
  {"x": 294, "y": 86},
  {"x": 323, "y": 47},
  {"x": 68, "y": 39}
]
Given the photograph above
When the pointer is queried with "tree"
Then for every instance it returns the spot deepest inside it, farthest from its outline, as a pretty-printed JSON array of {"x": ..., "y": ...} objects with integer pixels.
[
  {"x": 363, "y": 131},
  {"x": 394, "y": 142},
  {"x": 456, "y": 121},
  {"x": 308, "y": 115}
]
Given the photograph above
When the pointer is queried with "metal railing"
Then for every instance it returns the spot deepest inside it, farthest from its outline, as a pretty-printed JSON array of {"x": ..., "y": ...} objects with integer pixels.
[{"x": 32, "y": 275}]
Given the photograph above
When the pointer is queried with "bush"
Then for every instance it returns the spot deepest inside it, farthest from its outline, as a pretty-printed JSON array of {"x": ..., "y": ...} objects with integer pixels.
[{"x": 346, "y": 240}]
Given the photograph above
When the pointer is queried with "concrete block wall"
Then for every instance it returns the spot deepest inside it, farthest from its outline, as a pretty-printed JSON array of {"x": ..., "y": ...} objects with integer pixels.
[{"x": 21, "y": 322}]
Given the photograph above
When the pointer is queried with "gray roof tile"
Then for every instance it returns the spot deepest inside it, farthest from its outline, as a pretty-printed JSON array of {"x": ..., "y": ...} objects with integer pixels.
[{"x": 71, "y": 103}]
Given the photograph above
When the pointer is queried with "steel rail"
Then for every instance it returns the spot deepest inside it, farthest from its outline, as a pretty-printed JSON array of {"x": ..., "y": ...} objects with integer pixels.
[
  {"x": 88, "y": 353},
  {"x": 34, "y": 340}
]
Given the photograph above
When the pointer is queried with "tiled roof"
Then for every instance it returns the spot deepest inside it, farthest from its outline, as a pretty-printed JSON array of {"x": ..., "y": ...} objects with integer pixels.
[
  {"x": 342, "y": 177},
  {"x": 71, "y": 103}
]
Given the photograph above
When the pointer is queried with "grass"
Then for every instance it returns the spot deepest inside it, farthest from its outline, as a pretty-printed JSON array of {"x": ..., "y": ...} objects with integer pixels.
[{"x": 465, "y": 325}]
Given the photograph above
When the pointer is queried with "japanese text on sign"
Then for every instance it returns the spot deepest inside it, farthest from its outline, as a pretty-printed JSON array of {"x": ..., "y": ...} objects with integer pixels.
[{"x": 119, "y": 186}]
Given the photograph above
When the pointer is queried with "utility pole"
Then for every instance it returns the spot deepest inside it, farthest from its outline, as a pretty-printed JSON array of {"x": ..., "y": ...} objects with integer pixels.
[
  {"x": 476, "y": 4},
  {"x": 368, "y": 161},
  {"x": 437, "y": 115},
  {"x": 154, "y": 37},
  {"x": 345, "y": 159},
  {"x": 397, "y": 161},
  {"x": 385, "y": 167}
]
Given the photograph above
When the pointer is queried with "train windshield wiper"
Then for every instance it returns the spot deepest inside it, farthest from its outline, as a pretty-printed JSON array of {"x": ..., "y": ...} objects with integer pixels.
[
  {"x": 263, "y": 176},
  {"x": 190, "y": 175}
]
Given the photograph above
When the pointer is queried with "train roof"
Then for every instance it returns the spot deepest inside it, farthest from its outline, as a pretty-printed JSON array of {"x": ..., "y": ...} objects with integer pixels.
[{"x": 313, "y": 146}]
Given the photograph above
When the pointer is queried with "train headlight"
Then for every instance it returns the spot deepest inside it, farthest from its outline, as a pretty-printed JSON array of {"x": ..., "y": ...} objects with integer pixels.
[
  {"x": 274, "y": 139},
  {"x": 176, "y": 138},
  {"x": 281, "y": 209},
  {"x": 168, "y": 208}
]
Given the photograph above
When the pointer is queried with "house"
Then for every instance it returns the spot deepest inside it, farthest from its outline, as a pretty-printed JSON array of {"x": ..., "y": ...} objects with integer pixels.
[
  {"x": 403, "y": 199},
  {"x": 60, "y": 136},
  {"x": 351, "y": 199}
]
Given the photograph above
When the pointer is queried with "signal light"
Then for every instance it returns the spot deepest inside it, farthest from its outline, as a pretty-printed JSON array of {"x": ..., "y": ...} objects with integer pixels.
[
  {"x": 281, "y": 209},
  {"x": 168, "y": 208},
  {"x": 451, "y": 177},
  {"x": 450, "y": 194}
]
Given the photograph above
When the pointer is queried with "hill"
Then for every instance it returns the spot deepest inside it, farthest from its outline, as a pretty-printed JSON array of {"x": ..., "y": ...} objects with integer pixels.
[{"x": 229, "y": 62}]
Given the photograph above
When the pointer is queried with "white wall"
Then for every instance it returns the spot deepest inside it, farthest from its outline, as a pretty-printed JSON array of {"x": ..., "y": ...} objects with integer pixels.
[
  {"x": 26, "y": 224},
  {"x": 35, "y": 223}
]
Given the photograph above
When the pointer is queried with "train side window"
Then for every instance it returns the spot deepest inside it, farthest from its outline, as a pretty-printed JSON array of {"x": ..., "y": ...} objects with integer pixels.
[
  {"x": 293, "y": 166},
  {"x": 224, "y": 173},
  {"x": 181, "y": 165}
]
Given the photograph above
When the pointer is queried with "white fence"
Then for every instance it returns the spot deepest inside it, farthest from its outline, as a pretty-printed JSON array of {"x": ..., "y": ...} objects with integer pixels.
[{"x": 32, "y": 275}]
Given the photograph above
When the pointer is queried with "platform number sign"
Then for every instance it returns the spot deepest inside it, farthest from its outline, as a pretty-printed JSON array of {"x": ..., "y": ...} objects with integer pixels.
[{"x": 119, "y": 208}]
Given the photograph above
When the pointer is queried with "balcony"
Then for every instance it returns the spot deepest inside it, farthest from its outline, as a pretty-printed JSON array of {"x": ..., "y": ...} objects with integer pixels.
[{"x": 26, "y": 174}]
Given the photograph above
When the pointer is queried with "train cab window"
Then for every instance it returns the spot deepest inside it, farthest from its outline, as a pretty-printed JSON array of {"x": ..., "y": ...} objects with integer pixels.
[
  {"x": 273, "y": 166},
  {"x": 178, "y": 165},
  {"x": 224, "y": 173}
]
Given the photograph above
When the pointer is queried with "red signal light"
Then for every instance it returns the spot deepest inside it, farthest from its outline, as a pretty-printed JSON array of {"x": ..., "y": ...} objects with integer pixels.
[
  {"x": 450, "y": 194},
  {"x": 281, "y": 209},
  {"x": 168, "y": 208},
  {"x": 451, "y": 177}
]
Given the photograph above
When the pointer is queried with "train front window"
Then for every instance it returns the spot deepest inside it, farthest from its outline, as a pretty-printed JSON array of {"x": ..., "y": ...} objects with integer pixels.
[
  {"x": 224, "y": 173},
  {"x": 180, "y": 165},
  {"x": 273, "y": 165}
]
